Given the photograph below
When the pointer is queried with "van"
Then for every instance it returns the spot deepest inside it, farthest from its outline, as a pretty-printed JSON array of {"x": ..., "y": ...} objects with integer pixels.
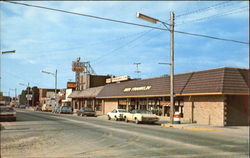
[{"x": 47, "y": 107}]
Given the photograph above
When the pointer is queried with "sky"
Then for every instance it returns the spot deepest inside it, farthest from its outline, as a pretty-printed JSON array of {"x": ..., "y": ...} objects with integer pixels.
[{"x": 49, "y": 40}]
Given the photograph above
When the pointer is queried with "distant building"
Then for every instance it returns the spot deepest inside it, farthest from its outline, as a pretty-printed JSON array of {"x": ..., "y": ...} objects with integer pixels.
[
  {"x": 89, "y": 81},
  {"x": 45, "y": 93}
]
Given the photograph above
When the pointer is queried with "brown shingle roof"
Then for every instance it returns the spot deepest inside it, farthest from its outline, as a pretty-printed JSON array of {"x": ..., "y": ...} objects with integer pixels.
[
  {"x": 213, "y": 81},
  {"x": 88, "y": 93}
]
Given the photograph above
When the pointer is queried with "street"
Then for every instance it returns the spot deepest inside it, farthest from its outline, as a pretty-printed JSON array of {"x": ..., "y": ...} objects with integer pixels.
[{"x": 40, "y": 134}]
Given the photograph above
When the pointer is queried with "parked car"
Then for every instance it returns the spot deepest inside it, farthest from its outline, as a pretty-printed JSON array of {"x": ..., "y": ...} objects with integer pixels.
[
  {"x": 139, "y": 116},
  {"x": 38, "y": 108},
  {"x": 85, "y": 111},
  {"x": 65, "y": 110},
  {"x": 55, "y": 109},
  {"x": 116, "y": 114},
  {"x": 22, "y": 106},
  {"x": 47, "y": 107},
  {"x": 7, "y": 113}
]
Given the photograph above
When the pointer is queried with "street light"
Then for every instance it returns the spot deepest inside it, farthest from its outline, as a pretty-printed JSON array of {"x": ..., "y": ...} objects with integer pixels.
[
  {"x": 3, "y": 52},
  {"x": 153, "y": 20},
  {"x": 53, "y": 74}
]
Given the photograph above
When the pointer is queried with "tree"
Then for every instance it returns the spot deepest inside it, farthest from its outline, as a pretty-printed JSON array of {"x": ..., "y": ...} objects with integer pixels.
[{"x": 35, "y": 97}]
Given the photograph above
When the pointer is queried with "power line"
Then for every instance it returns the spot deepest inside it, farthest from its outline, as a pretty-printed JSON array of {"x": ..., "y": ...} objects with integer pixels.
[
  {"x": 93, "y": 43},
  {"x": 204, "y": 9},
  {"x": 232, "y": 11},
  {"x": 129, "y": 23},
  {"x": 116, "y": 49},
  {"x": 20, "y": 77},
  {"x": 80, "y": 14}
]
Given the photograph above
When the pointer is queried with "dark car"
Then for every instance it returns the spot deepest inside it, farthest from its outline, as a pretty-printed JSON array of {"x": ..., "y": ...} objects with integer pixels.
[
  {"x": 65, "y": 110},
  {"x": 7, "y": 113},
  {"x": 86, "y": 112},
  {"x": 22, "y": 106}
]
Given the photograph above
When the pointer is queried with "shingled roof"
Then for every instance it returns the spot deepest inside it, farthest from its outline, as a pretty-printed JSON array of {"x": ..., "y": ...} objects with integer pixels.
[
  {"x": 88, "y": 93},
  {"x": 208, "y": 82}
]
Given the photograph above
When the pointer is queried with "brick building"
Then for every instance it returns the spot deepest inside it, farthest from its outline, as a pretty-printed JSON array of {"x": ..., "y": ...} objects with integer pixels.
[{"x": 211, "y": 97}]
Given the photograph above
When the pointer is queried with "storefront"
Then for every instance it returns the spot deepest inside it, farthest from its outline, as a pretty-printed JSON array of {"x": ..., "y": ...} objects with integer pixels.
[
  {"x": 203, "y": 97},
  {"x": 87, "y": 98}
]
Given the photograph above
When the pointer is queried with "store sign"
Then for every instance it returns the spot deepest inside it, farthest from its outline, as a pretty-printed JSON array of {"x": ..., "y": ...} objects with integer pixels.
[
  {"x": 77, "y": 66},
  {"x": 71, "y": 84},
  {"x": 143, "y": 88},
  {"x": 117, "y": 79}
]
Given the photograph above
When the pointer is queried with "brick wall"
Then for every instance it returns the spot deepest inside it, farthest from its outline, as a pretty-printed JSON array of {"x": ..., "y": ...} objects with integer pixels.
[
  {"x": 207, "y": 110},
  {"x": 110, "y": 105},
  {"x": 236, "y": 110}
]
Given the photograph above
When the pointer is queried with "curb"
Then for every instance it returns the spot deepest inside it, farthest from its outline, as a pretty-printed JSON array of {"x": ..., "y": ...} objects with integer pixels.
[{"x": 190, "y": 128}]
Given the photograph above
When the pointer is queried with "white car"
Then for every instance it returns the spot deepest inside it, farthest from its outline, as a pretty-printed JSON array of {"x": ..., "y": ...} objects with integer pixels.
[
  {"x": 139, "y": 116},
  {"x": 116, "y": 114}
]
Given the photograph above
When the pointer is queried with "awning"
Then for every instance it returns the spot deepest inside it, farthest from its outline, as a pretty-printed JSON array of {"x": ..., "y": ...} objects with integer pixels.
[{"x": 87, "y": 93}]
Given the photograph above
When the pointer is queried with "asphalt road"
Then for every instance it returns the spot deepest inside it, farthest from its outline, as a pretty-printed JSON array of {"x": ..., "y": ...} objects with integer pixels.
[{"x": 39, "y": 134}]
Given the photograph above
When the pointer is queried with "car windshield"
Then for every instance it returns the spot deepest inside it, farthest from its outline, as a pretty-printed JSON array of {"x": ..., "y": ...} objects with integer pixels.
[
  {"x": 87, "y": 109},
  {"x": 6, "y": 109},
  {"x": 122, "y": 110},
  {"x": 143, "y": 112},
  {"x": 66, "y": 108}
]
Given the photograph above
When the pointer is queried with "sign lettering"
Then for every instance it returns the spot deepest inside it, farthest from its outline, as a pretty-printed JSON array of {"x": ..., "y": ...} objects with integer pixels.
[{"x": 143, "y": 88}]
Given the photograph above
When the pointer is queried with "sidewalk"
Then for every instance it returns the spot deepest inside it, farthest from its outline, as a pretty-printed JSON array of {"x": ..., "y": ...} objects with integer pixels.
[{"x": 165, "y": 122}]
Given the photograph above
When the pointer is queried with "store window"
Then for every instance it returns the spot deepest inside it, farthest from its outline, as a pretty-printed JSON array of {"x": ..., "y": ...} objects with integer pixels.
[
  {"x": 89, "y": 103},
  {"x": 122, "y": 104},
  {"x": 98, "y": 105}
]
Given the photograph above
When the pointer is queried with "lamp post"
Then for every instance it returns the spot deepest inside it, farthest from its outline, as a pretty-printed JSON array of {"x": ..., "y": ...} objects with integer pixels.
[
  {"x": 153, "y": 20},
  {"x": 53, "y": 74},
  {"x": 3, "y": 52},
  {"x": 28, "y": 87}
]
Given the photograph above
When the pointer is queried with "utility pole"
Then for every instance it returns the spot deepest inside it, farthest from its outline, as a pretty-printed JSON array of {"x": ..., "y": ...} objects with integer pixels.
[
  {"x": 55, "y": 83},
  {"x": 153, "y": 20},
  {"x": 3, "y": 52},
  {"x": 137, "y": 69},
  {"x": 171, "y": 66},
  {"x": 28, "y": 101}
]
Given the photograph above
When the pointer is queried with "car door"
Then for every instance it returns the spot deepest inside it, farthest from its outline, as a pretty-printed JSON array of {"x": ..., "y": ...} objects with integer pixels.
[
  {"x": 130, "y": 115},
  {"x": 112, "y": 114}
]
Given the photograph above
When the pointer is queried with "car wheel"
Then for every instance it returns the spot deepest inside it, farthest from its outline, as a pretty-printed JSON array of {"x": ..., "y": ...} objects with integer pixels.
[
  {"x": 109, "y": 118},
  {"x": 126, "y": 119},
  {"x": 136, "y": 121},
  {"x": 116, "y": 119}
]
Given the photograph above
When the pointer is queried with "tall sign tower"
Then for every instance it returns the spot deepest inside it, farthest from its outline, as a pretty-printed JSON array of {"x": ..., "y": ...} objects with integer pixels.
[
  {"x": 81, "y": 67},
  {"x": 77, "y": 67}
]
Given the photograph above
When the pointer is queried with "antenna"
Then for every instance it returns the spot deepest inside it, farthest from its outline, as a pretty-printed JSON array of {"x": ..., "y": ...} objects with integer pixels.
[{"x": 137, "y": 69}]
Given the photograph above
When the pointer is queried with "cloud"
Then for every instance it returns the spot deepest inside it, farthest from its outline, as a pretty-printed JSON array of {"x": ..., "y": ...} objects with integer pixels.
[{"x": 51, "y": 40}]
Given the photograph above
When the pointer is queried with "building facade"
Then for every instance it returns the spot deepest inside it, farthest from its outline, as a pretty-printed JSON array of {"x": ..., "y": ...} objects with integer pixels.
[{"x": 217, "y": 97}]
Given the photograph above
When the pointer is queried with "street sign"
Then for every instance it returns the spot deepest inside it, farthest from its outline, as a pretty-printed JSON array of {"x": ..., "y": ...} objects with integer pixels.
[{"x": 29, "y": 96}]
